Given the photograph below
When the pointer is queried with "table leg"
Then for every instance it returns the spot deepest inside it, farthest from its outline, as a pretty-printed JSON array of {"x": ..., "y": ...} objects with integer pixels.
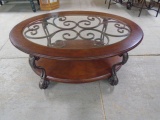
[
  {"x": 38, "y": 2},
  {"x": 158, "y": 8},
  {"x": 129, "y": 4},
  {"x": 1, "y": 2},
  {"x": 105, "y": 1},
  {"x": 140, "y": 10},
  {"x": 43, "y": 84},
  {"x": 109, "y": 4},
  {"x": 33, "y": 5},
  {"x": 113, "y": 80}
]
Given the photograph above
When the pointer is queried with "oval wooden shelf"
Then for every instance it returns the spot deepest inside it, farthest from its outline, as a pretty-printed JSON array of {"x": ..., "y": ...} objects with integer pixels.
[{"x": 77, "y": 71}]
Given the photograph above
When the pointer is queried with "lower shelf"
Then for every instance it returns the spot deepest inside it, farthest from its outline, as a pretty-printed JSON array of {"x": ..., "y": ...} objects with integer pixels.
[{"x": 77, "y": 71}]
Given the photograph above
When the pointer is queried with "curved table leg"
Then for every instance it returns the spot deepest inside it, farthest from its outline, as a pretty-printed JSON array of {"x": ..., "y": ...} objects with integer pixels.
[
  {"x": 113, "y": 80},
  {"x": 43, "y": 84}
]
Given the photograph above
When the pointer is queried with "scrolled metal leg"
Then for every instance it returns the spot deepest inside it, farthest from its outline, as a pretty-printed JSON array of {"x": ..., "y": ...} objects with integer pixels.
[
  {"x": 43, "y": 84},
  {"x": 113, "y": 80}
]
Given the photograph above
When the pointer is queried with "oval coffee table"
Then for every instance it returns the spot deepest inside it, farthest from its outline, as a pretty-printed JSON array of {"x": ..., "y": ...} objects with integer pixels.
[{"x": 76, "y": 46}]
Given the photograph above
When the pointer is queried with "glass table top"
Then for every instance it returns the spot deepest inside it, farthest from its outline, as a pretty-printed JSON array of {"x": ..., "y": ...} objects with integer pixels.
[{"x": 76, "y": 32}]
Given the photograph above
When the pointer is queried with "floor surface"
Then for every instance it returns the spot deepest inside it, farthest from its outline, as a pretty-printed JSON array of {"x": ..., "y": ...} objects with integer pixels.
[{"x": 136, "y": 97}]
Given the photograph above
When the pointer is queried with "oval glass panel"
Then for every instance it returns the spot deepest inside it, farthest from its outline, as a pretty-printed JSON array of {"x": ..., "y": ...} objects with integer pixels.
[{"x": 76, "y": 32}]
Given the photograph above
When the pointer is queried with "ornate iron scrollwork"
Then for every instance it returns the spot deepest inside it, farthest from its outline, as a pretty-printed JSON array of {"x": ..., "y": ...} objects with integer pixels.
[
  {"x": 43, "y": 84},
  {"x": 113, "y": 80},
  {"x": 92, "y": 28}
]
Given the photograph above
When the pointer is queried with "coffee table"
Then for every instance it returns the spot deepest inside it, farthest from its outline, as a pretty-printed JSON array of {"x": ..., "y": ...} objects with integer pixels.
[{"x": 76, "y": 46}]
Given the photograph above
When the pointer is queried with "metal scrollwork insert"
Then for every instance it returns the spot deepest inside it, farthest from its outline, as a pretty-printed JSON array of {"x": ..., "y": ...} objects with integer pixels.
[
  {"x": 43, "y": 84},
  {"x": 113, "y": 80},
  {"x": 93, "y": 28}
]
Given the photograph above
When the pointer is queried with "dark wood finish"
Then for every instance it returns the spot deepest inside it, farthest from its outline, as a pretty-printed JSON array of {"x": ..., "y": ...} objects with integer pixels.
[
  {"x": 19, "y": 41},
  {"x": 77, "y": 71},
  {"x": 83, "y": 64}
]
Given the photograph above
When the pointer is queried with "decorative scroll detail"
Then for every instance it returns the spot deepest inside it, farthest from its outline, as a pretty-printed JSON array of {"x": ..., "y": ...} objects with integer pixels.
[
  {"x": 89, "y": 28},
  {"x": 32, "y": 63},
  {"x": 43, "y": 84},
  {"x": 58, "y": 43},
  {"x": 113, "y": 80}
]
